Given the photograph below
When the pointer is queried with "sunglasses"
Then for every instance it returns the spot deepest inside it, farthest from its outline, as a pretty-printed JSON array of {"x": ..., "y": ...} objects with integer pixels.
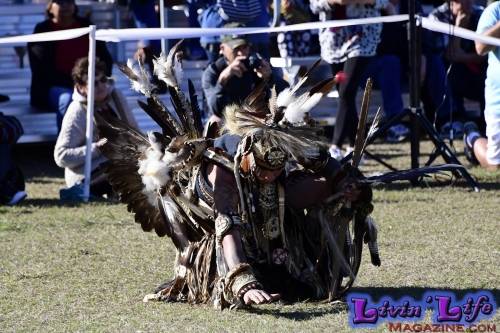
[{"x": 102, "y": 79}]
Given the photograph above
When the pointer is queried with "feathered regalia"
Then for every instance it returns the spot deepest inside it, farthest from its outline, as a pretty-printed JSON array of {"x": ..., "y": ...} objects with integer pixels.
[{"x": 261, "y": 208}]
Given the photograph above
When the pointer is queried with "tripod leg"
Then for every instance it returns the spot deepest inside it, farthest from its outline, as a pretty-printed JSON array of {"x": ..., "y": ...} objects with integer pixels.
[
  {"x": 443, "y": 149},
  {"x": 379, "y": 160}
]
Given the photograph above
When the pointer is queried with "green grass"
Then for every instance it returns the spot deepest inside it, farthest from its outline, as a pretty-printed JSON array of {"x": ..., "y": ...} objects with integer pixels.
[{"x": 86, "y": 267}]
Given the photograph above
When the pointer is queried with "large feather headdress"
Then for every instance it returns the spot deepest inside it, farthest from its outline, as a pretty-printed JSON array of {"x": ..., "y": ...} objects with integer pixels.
[{"x": 280, "y": 124}]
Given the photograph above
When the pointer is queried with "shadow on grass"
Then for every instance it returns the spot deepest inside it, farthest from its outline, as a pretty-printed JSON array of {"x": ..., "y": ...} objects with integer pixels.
[
  {"x": 418, "y": 292},
  {"x": 375, "y": 292},
  {"x": 37, "y": 160},
  {"x": 460, "y": 184},
  {"x": 39, "y": 202},
  {"x": 301, "y": 315}
]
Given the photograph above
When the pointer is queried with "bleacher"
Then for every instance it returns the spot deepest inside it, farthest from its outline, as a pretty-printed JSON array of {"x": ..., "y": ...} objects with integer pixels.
[
  {"x": 15, "y": 74},
  {"x": 40, "y": 125}
]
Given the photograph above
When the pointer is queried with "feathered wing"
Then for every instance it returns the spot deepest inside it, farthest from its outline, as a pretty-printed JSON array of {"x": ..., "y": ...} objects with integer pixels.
[
  {"x": 124, "y": 148},
  {"x": 160, "y": 114},
  {"x": 144, "y": 170}
]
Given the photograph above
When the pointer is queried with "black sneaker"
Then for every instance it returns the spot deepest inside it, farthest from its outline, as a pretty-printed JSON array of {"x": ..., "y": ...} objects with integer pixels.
[{"x": 470, "y": 127}]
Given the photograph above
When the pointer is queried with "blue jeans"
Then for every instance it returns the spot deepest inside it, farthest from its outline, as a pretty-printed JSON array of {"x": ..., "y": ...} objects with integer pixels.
[
  {"x": 385, "y": 70},
  {"x": 59, "y": 99},
  {"x": 5, "y": 160},
  {"x": 145, "y": 16},
  {"x": 435, "y": 87}
]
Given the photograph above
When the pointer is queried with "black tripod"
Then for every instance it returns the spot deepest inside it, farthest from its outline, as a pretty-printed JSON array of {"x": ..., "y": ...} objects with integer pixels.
[{"x": 417, "y": 115}]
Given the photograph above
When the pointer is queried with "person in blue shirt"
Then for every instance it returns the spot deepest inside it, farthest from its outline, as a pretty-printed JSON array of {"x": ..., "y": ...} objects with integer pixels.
[
  {"x": 487, "y": 150},
  {"x": 248, "y": 13}
]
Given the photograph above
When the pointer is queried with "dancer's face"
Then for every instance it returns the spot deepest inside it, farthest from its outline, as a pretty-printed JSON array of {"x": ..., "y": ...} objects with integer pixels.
[{"x": 262, "y": 174}]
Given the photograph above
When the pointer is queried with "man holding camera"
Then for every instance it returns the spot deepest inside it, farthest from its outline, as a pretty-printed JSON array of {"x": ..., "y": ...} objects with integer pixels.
[{"x": 232, "y": 77}]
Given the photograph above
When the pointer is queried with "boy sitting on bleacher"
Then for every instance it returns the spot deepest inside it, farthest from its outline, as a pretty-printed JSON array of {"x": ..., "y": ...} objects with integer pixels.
[{"x": 69, "y": 152}]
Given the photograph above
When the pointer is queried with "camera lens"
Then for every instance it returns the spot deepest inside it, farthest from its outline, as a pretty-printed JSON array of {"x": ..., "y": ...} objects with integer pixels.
[{"x": 254, "y": 61}]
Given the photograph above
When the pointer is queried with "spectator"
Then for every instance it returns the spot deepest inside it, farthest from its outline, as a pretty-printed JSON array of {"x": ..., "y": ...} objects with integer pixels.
[
  {"x": 487, "y": 150},
  {"x": 349, "y": 49},
  {"x": 69, "y": 152},
  {"x": 218, "y": 13},
  {"x": 388, "y": 67},
  {"x": 11, "y": 177},
  {"x": 296, "y": 43},
  {"x": 51, "y": 62},
  {"x": 468, "y": 69},
  {"x": 232, "y": 77},
  {"x": 146, "y": 15}
]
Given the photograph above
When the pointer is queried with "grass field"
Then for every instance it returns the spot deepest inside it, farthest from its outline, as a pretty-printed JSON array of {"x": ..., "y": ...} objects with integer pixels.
[{"x": 86, "y": 267}]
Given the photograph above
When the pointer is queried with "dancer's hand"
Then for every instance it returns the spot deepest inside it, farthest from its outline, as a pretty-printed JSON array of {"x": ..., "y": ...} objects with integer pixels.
[{"x": 257, "y": 296}]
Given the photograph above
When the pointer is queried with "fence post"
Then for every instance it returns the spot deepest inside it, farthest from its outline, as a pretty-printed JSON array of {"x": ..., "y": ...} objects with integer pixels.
[
  {"x": 162, "y": 25},
  {"x": 89, "y": 134}
]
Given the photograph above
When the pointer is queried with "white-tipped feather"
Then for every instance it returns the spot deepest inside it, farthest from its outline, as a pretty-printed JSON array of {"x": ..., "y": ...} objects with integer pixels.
[
  {"x": 373, "y": 129},
  {"x": 375, "y": 123},
  {"x": 171, "y": 209},
  {"x": 297, "y": 110},
  {"x": 284, "y": 98},
  {"x": 178, "y": 70},
  {"x": 311, "y": 102},
  {"x": 142, "y": 85},
  {"x": 171, "y": 74}
]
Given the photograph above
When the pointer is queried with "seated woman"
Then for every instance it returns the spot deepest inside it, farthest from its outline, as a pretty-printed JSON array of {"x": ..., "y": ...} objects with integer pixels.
[
  {"x": 51, "y": 62},
  {"x": 69, "y": 152}
]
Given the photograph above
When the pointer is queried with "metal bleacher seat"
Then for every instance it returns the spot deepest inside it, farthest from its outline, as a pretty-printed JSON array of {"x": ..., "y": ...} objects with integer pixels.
[
  {"x": 40, "y": 125},
  {"x": 15, "y": 75}
]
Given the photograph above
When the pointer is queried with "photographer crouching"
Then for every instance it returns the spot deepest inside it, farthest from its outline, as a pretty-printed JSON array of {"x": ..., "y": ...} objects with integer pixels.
[{"x": 234, "y": 75}]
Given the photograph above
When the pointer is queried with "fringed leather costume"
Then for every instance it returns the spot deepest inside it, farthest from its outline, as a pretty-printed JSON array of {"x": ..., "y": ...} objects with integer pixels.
[{"x": 299, "y": 234}]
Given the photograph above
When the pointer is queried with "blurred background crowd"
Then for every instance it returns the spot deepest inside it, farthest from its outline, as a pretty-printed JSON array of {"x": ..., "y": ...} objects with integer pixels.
[{"x": 452, "y": 73}]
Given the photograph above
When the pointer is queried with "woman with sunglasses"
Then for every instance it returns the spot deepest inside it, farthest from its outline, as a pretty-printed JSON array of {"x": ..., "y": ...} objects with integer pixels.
[
  {"x": 51, "y": 62},
  {"x": 69, "y": 152}
]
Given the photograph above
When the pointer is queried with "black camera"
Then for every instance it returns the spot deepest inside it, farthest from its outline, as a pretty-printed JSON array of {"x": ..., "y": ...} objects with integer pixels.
[{"x": 252, "y": 62}]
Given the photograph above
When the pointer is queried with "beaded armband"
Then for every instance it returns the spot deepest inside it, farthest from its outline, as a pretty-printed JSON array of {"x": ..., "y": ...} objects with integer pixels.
[{"x": 224, "y": 223}]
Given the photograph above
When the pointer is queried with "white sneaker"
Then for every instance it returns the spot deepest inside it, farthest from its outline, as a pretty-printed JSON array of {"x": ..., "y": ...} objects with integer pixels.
[
  {"x": 17, "y": 198},
  {"x": 350, "y": 150},
  {"x": 335, "y": 152}
]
